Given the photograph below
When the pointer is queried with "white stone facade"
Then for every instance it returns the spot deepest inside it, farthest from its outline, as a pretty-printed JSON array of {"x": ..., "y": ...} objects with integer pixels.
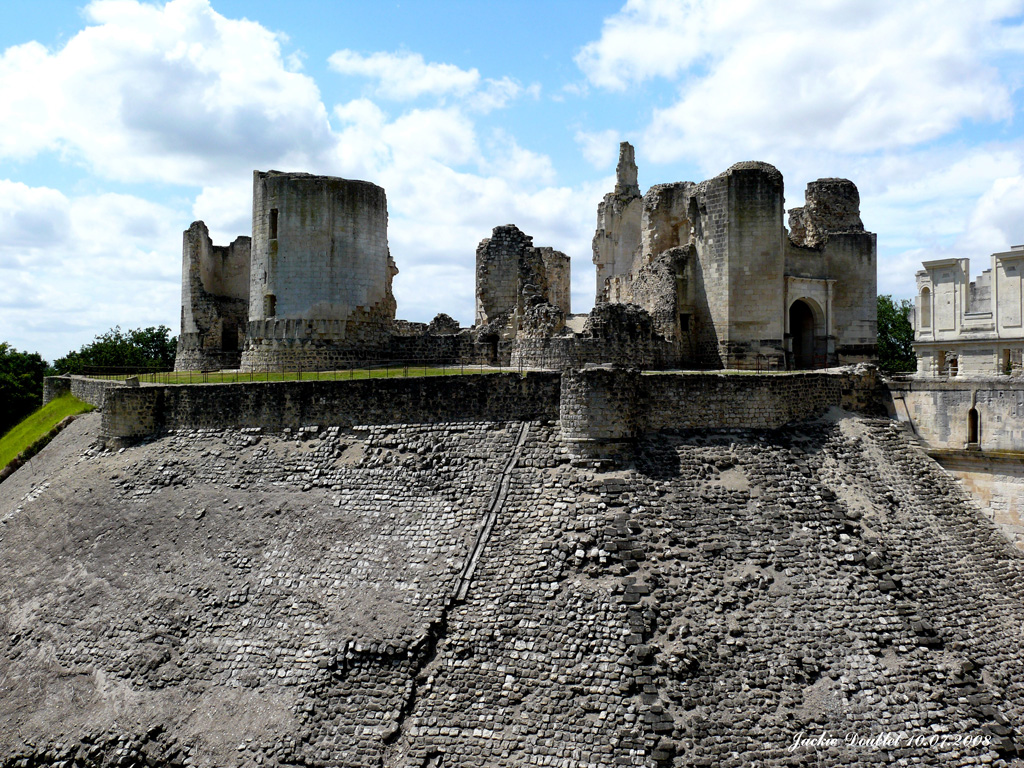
[{"x": 965, "y": 328}]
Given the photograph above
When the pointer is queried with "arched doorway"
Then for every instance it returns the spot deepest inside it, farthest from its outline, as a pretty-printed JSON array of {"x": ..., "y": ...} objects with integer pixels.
[{"x": 801, "y": 330}]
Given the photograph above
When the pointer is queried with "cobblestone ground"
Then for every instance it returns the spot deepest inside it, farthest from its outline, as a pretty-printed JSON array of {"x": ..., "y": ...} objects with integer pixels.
[{"x": 465, "y": 595}]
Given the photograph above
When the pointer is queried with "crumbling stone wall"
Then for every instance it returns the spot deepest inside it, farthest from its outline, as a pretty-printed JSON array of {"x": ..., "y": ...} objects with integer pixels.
[
  {"x": 829, "y": 247},
  {"x": 618, "y": 223},
  {"x": 712, "y": 264},
  {"x": 320, "y": 290},
  {"x": 214, "y": 301},
  {"x": 619, "y": 334},
  {"x": 830, "y": 206},
  {"x": 131, "y": 414},
  {"x": 557, "y": 274},
  {"x": 663, "y": 401},
  {"x": 512, "y": 276}
]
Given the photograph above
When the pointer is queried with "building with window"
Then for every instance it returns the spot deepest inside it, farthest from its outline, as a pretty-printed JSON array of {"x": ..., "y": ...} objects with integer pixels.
[{"x": 970, "y": 328}]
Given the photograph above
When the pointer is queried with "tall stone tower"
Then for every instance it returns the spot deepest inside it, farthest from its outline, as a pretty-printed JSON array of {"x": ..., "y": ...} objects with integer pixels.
[
  {"x": 321, "y": 273},
  {"x": 618, "y": 223}
]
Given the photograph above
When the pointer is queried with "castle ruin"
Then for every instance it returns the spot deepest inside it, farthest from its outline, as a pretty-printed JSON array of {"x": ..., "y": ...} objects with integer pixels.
[
  {"x": 590, "y": 566},
  {"x": 311, "y": 288},
  {"x": 688, "y": 276},
  {"x": 724, "y": 282}
]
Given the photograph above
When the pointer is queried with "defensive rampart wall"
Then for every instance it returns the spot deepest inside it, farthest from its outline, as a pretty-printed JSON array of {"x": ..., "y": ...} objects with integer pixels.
[
  {"x": 87, "y": 390},
  {"x": 595, "y": 405}
]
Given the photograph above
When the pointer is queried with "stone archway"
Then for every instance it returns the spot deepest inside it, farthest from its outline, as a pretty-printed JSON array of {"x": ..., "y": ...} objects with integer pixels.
[{"x": 802, "y": 330}]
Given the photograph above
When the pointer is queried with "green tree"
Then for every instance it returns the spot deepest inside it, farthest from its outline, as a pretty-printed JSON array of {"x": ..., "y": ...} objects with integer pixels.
[
  {"x": 21, "y": 384},
  {"x": 895, "y": 335},
  {"x": 139, "y": 348}
]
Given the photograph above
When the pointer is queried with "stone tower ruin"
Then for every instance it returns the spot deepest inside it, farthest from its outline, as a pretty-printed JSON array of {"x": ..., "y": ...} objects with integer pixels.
[
  {"x": 214, "y": 301},
  {"x": 320, "y": 281},
  {"x": 725, "y": 283},
  {"x": 311, "y": 288}
]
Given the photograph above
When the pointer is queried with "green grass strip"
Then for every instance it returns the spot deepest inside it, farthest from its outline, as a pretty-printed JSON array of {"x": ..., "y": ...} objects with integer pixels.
[{"x": 35, "y": 426}]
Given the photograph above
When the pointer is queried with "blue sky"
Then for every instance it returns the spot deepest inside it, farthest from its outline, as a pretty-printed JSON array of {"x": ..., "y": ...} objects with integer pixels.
[{"x": 125, "y": 121}]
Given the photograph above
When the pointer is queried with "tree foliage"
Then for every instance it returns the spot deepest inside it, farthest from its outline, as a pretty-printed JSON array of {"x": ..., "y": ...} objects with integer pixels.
[
  {"x": 895, "y": 335},
  {"x": 21, "y": 384},
  {"x": 139, "y": 348}
]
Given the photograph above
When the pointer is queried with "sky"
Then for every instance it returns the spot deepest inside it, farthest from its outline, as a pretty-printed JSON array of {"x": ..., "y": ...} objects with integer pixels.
[{"x": 124, "y": 121}]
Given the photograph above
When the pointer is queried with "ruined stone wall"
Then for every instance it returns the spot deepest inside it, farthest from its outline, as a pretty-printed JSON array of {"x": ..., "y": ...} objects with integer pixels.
[
  {"x": 87, "y": 390},
  {"x": 463, "y": 347},
  {"x": 214, "y": 301},
  {"x": 55, "y": 386},
  {"x": 575, "y": 351},
  {"x": 617, "y": 237},
  {"x": 664, "y": 401},
  {"x": 756, "y": 256},
  {"x": 712, "y": 243},
  {"x": 853, "y": 263},
  {"x": 619, "y": 334},
  {"x": 512, "y": 276},
  {"x": 828, "y": 243},
  {"x": 688, "y": 401},
  {"x": 321, "y": 272},
  {"x": 558, "y": 275},
  {"x": 497, "y": 273},
  {"x": 129, "y": 414},
  {"x": 830, "y": 206}
]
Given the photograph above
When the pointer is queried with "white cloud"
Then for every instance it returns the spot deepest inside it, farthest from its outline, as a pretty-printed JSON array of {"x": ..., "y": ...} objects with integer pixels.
[
  {"x": 505, "y": 158},
  {"x": 107, "y": 259},
  {"x": 444, "y": 135},
  {"x": 496, "y": 94},
  {"x": 404, "y": 76},
  {"x": 847, "y": 76},
  {"x": 31, "y": 219},
  {"x": 226, "y": 209},
  {"x": 174, "y": 93},
  {"x": 599, "y": 148},
  {"x": 996, "y": 222},
  {"x": 649, "y": 38}
]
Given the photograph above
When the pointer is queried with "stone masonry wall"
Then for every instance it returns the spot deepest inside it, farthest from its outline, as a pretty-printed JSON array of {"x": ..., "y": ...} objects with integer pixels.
[
  {"x": 498, "y": 260},
  {"x": 54, "y": 387},
  {"x": 617, "y": 236},
  {"x": 133, "y": 413},
  {"x": 693, "y": 401},
  {"x": 939, "y": 411},
  {"x": 321, "y": 271},
  {"x": 598, "y": 410},
  {"x": 92, "y": 391},
  {"x": 662, "y": 402},
  {"x": 214, "y": 301}
]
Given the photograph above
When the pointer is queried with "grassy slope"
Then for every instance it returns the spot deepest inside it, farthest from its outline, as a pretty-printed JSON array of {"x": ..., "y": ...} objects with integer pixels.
[{"x": 38, "y": 424}]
